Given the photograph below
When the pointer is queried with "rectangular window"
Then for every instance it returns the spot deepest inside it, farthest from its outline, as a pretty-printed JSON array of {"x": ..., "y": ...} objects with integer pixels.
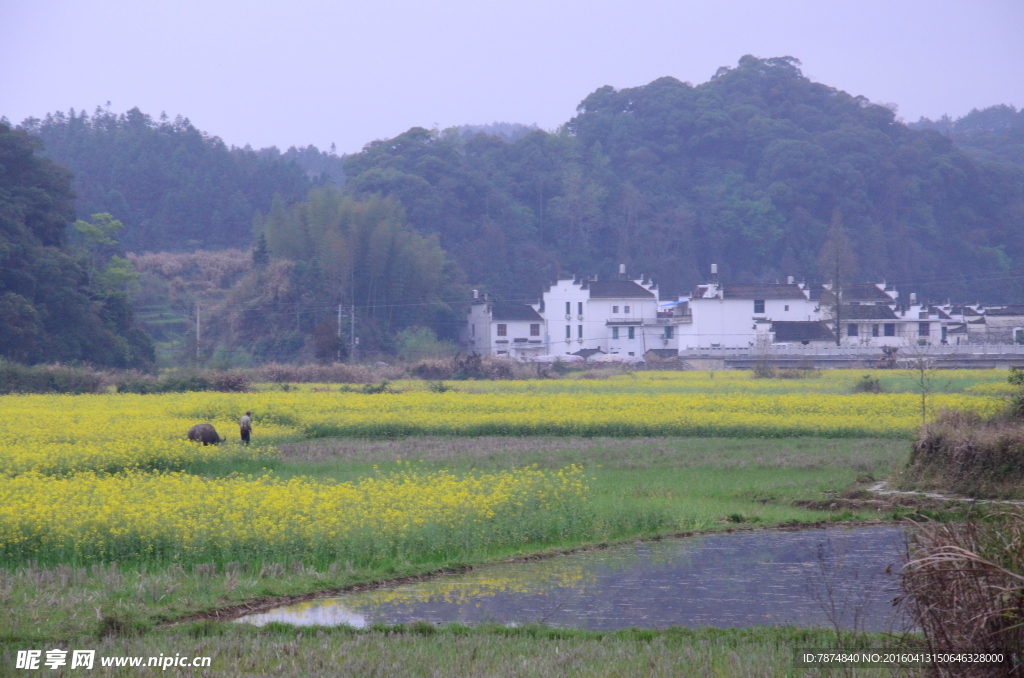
[
  {"x": 668, "y": 332},
  {"x": 568, "y": 307},
  {"x": 851, "y": 330},
  {"x": 759, "y": 306},
  {"x": 568, "y": 331},
  {"x": 579, "y": 331},
  {"x": 615, "y": 309},
  {"x": 625, "y": 309},
  {"x": 630, "y": 331},
  {"x": 786, "y": 308},
  {"x": 615, "y": 333},
  {"x": 924, "y": 329},
  {"x": 502, "y": 330},
  {"x": 874, "y": 330},
  {"x": 889, "y": 329},
  {"x": 535, "y": 329},
  {"x": 579, "y": 307}
]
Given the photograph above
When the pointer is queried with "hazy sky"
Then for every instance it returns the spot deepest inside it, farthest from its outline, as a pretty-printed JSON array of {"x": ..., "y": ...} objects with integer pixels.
[{"x": 300, "y": 72}]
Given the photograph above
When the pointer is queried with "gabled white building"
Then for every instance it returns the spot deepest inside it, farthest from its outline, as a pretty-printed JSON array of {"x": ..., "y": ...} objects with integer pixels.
[
  {"x": 740, "y": 316},
  {"x": 610, "y": 316},
  {"x": 501, "y": 329}
]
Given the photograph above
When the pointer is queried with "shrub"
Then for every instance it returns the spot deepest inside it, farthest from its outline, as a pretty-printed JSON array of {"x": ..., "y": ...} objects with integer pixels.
[
  {"x": 16, "y": 378},
  {"x": 868, "y": 384},
  {"x": 438, "y": 387},
  {"x": 211, "y": 380}
]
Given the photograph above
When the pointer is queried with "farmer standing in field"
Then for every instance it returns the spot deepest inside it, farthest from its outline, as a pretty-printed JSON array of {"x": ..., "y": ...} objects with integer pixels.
[{"x": 245, "y": 426}]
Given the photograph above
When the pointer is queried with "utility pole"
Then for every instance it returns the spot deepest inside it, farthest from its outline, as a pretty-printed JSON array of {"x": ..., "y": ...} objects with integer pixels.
[
  {"x": 352, "y": 353},
  {"x": 198, "y": 306},
  {"x": 339, "y": 333}
]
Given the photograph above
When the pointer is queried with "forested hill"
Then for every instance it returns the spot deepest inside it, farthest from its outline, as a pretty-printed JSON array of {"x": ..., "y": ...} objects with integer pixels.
[
  {"x": 174, "y": 187},
  {"x": 993, "y": 134},
  {"x": 745, "y": 170}
]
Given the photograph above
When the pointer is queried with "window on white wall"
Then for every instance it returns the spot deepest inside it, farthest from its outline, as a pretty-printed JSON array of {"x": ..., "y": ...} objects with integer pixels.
[
  {"x": 615, "y": 333},
  {"x": 630, "y": 331},
  {"x": 615, "y": 309},
  {"x": 502, "y": 330},
  {"x": 625, "y": 309},
  {"x": 579, "y": 307},
  {"x": 535, "y": 330},
  {"x": 579, "y": 331},
  {"x": 568, "y": 307},
  {"x": 568, "y": 331}
]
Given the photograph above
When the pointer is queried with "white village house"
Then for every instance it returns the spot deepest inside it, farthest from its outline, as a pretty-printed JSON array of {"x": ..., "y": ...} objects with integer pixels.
[{"x": 624, "y": 320}]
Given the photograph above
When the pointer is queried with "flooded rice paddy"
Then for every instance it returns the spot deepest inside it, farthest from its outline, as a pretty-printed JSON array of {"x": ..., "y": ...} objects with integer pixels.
[{"x": 817, "y": 577}]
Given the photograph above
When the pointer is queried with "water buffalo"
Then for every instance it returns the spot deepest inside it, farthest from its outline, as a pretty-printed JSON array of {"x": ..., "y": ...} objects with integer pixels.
[{"x": 205, "y": 434}]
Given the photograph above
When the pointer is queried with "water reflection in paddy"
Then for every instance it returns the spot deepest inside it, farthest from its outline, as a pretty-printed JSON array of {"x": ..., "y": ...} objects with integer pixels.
[{"x": 730, "y": 580}]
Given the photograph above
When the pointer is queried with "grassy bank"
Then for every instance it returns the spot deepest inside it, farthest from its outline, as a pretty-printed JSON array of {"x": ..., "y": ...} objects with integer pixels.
[{"x": 423, "y": 650}]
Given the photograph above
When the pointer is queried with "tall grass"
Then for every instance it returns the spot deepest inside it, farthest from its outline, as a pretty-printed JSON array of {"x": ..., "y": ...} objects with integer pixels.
[{"x": 964, "y": 587}]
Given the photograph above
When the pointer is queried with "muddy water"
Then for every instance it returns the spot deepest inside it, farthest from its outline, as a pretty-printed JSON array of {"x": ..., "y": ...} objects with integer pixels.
[{"x": 806, "y": 578}]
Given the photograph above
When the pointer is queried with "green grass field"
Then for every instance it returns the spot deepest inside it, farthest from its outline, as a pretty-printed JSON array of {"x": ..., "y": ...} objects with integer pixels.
[{"x": 638, "y": 487}]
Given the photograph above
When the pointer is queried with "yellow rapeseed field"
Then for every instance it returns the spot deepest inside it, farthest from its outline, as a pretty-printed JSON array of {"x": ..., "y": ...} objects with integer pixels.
[
  {"x": 176, "y": 516},
  {"x": 62, "y": 434},
  {"x": 99, "y": 476}
]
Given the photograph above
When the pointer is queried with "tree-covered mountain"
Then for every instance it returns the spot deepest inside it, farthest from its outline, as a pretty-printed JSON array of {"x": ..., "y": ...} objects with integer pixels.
[
  {"x": 175, "y": 188},
  {"x": 993, "y": 134},
  {"x": 59, "y": 301},
  {"x": 745, "y": 170}
]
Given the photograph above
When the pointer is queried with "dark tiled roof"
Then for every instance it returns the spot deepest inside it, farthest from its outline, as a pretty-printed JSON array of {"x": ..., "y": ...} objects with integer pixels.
[
  {"x": 958, "y": 329},
  {"x": 1015, "y": 309},
  {"x": 664, "y": 353},
  {"x": 867, "y": 312},
  {"x": 864, "y": 292},
  {"x": 858, "y": 292},
  {"x": 587, "y": 352},
  {"x": 513, "y": 312},
  {"x": 802, "y": 331},
  {"x": 617, "y": 289},
  {"x": 762, "y": 292}
]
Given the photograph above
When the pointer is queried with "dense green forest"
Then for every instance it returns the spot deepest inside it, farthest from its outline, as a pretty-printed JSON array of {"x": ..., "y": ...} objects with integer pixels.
[
  {"x": 994, "y": 134},
  {"x": 748, "y": 170},
  {"x": 174, "y": 187},
  {"x": 63, "y": 296},
  {"x": 745, "y": 171}
]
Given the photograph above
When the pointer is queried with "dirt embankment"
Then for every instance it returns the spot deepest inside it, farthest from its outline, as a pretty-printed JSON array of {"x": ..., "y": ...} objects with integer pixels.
[{"x": 965, "y": 455}]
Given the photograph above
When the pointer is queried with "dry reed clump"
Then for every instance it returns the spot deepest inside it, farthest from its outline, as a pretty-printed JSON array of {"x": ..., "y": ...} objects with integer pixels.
[
  {"x": 337, "y": 373},
  {"x": 964, "y": 453},
  {"x": 471, "y": 367},
  {"x": 963, "y": 586}
]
